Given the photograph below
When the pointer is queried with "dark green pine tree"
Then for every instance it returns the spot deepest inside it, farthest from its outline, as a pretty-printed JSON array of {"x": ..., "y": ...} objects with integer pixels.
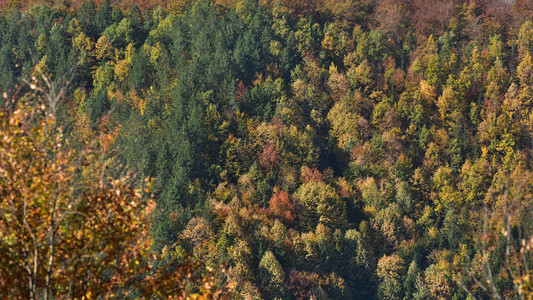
[
  {"x": 103, "y": 17},
  {"x": 251, "y": 48},
  {"x": 7, "y": 70},
  {"x": 85, "y": 16},
  {"x": 12, "y": 27},
  {"x": 44, "y": 18},
  {"x": 180, "y": 157},
  {"x": 139, "y": 33},
  {"x": 289, "y": 57},
  {"x": 97, "y": 104},
  {"x": 25, "y": 45},
  {"x": 141, "y": 71},
  {"x": 11, "y": 35},
  {"x": 62, "y": 58}
]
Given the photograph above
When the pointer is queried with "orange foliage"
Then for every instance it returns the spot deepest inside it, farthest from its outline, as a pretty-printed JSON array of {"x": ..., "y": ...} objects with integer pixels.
[
  {"x": 311, "y": 175},
  {"x": 69, "y": 230},
  {"x": 268, "y": 157},
  {"x": 281, "y": 205}
]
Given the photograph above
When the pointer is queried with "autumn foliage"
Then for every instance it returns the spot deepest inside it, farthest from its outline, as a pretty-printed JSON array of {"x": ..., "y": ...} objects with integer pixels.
[
  {"x": 245, "y": 149},
  {"x": 68, "y": 229}
]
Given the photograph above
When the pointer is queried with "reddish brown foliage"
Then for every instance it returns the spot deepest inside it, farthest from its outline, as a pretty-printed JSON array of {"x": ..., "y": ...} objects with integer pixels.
[
  {"x": 431, "y": 17},
  {"x": 497, "y": 17},
  {"x": 239, "y": 93},
  {"x": 392, "y": 17},
  {"x": 311, "y": 174},
  {"x": 281, "y": 205},
  {"x": 300, "y": 285},
  {"x": 268, "y": 157},
  {"x": 301, "y": 7},
  {"x": 74, "y": 4},
  {"x": 524, "y": 9}
]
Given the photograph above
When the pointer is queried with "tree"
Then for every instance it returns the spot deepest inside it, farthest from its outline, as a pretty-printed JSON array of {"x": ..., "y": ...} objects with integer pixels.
[
  {"x": 64, "y": 223},
  {"x": 85, "y": 15},
  {"x": 289, "y": 56},
  {"x": 68, "y": 229},
  {"x": 282, "y": 206},
  {"x": 103, "y": 17},
  {"x": 7, "y": 65},
  {"x": 390, "y": 270},
  {"x": 272, "y": 276},
  {"x": 320, "y": 204},
  {"x": 392, "y": 17}
]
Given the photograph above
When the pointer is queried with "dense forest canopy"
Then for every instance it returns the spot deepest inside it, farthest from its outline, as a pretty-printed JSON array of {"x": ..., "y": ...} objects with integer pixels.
[{"x": 350, "y": 149}]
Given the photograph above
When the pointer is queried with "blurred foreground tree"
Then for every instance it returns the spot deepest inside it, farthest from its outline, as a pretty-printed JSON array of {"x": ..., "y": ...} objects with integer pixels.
[{"x": 67, "y": 228}]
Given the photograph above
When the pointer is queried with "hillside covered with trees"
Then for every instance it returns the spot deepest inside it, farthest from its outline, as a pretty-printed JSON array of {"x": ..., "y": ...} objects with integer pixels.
[{"x": 244, "y": 149}]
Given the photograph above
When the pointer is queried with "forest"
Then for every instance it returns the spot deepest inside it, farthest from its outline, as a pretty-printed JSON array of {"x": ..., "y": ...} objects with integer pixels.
[{"x": 271, "y": 149}]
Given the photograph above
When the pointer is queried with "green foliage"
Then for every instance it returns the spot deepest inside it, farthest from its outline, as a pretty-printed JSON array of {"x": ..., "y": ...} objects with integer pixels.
[
  {"x": 320, "y": 205},
  {"x": 321, "y": 149},
  {"x": 272, "y": 276}
]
